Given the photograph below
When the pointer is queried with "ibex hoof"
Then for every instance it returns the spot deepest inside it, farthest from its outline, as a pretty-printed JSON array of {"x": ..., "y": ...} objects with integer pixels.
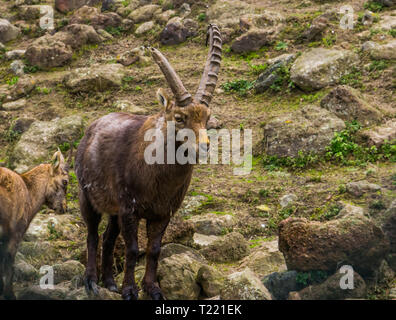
[
  {"x": 91, "y": 287},
  {"x": 157, "y": 296},
  {"x": 130, "y": 293},
  {"x": 112, "y": 288}
]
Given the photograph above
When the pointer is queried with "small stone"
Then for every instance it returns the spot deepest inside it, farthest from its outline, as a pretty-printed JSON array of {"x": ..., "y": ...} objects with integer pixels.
[
  {"x": 14, "y": 105},
  {"x": 24, "y": 271},
  {"x": 202, "y": 240},
  {"x": 15, "y": 54},
  {"x": 359, "y": 188},
  {"x": 145, "y": 27},
  {"x": 287, "y": 200},
  {"x": 210, "y": 280},
  {"x": 244, "y": 285},
  {"x": 17, "y": 67},
  {"x": 279, "y": 284}
]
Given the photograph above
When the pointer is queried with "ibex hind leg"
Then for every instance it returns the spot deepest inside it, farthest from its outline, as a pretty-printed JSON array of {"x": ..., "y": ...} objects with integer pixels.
[{"x": 92, "y": 220}]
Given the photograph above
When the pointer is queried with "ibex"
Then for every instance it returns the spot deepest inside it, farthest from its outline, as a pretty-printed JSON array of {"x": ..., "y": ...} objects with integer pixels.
[
  {"x": 116, "y": 180},
  {"x": 21, "y": 197}
]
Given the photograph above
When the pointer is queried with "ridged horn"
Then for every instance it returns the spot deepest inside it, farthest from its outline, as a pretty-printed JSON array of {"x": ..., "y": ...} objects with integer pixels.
[
  {"x": 208, "y": 81},
  {"x": 183, "y": 98}
]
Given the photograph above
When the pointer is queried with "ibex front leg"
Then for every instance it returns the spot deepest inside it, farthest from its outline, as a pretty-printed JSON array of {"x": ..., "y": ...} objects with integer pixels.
[
  {"x": 129, "y": 229},
  {"x": 155, "y": 231}
]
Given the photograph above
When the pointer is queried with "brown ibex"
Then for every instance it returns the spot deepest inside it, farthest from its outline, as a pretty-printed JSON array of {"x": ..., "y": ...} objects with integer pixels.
[
  {"x": 115, "y": 179},
  {"x": 21, "y": 197}
]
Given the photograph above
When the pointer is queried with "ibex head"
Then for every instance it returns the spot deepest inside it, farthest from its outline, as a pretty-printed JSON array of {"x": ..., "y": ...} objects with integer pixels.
[
  {"x": 57, "y": 185},
  {"x": 184, "y": 110}
]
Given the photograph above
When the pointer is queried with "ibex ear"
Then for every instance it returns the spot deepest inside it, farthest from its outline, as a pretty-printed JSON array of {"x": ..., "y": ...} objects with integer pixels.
[
  {"x": 163, "y": 99},
  {"x": 57, "y": 162}
]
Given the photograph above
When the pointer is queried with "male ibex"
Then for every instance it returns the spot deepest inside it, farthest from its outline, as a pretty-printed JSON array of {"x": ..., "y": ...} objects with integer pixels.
[
  {"x": 21, "y": 197},
  {"x": 115, "y": 179}
]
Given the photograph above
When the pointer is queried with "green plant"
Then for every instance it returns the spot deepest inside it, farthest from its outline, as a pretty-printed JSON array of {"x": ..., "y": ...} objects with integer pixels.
[
  {"x": 354, "y": 78},
  {"x": 301, "y": 161},
  {"x": 30, "y": 69},
  {"x": 378, "y": 65},
  {"x": 13, "y": 81},
  {"x": 201, "y": 17},
  {"x": 115, "y": 31},
  {"x": 282, "y": 80},
  {"x": 373, "y": 6},
  {"x": 258, "y": 68},
  {"x": 304, "y": 279},
  {"x": 377, "y": 205},
  {"x": 329, "y": 40},
  {"x": 280, "y": 45},
  {"x": 53, "y": 233},
  {"x": 240, "y": 86},
  {"x": 392, "y": 32}
]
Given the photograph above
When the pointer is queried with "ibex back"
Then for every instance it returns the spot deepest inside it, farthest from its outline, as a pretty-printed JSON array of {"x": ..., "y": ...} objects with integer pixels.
[{"x": 115, "y": 179}]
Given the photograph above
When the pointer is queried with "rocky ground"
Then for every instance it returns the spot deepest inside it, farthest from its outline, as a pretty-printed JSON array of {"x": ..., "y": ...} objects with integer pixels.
[{"x": 320, "y": 101}]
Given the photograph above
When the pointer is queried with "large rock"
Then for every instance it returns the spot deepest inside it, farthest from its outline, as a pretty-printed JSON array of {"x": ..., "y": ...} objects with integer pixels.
[
  {"x": 348, "y": 104},
  {"x": 310, "y": 245},
  {"x": 308, "y": 130},
  {"x": 379, "y": 135},
  {"x": 279, "y": 284},
  {"x": 359, "y": 188},
  {"x": 253, "y": 40},
  {"x": 98, "y": 20},
  {"x": 48, "y": 52},
  {"x": 212, "y": 224},
  {"x": 77, "y": 35},
  {"x": 176, "y": 32},
  {"x": 244, "y": 285},
  {"x": 319, "y": 67},
  {"x": 70, "y": 5},
  {"x": 389, "y": 225},
  {"x": 8, "y": 32},
  {"x": 35, "y": 144},
  {"x": 226, "y": 13},
  {"x": 145, "y": 13},
  {"x": 66, "y": 271},
  {"x": 265, "y": 259},
  {"x": 95, "y": 78},
  {"x": 385, "y": 51},
  {"x": 177, "y": 277},
  {"x": 24, "y": 271},
  {"x": 331, "y": 289},
  {"x": 81, "y": 294},
  {"x": 231, "y": 247},
  {"x": 210, "y": 280},
  {"x": 50, "y": 226}
]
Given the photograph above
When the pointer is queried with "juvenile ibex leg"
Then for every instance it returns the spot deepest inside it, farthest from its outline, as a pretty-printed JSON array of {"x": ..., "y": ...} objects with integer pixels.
[
  {"x": 92, "y": 220},
  {"x": 109, "y": 240},
  {"x": 8, "y": 273},
  {"x": 129, "y": 229},
  {"x": 155, "y": 231}
]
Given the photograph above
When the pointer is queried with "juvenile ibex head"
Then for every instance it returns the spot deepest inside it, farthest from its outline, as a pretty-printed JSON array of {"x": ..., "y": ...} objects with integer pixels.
[
  {"x": 55, "y": 197},
  {"x": 184, "y": 110}
]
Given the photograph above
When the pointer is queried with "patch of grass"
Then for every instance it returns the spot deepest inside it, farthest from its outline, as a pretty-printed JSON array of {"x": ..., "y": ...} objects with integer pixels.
[
  {"x": 11, "y": 135},
  {"x": 115, "y": 31},
  {"x": 30, "y": 69},
  {"x": 53, "y": 233},
  {"x": 345, "y": 150},
  {"x": 302, "y": 161},
  {"x": 377, "y": 205},
  {"x": 13, "y": 81},
  {"x": 392, "y": 32},
  {"x": 305, "y": 279},
  {"x": 353, "y": 79},
  {"x": 258, "y": 68},
  {"x": 283, "y": 81},
  {"x": 280, "y": 46},
  {"x": 201, "y": 17},
  {"x": 374, "y": 6},
  {"x": 329, "y": 40},
  {"x": 43, "y": 90},
  {"x": 240, "y": 86}
]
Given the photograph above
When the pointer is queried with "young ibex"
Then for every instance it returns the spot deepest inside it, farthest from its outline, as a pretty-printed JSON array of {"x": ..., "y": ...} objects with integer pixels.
[
  {"x": 115, "y": 179},
  {"x": 21, "y": 197}
]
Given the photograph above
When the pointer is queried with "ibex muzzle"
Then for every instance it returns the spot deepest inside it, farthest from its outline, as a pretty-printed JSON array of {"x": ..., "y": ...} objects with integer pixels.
[{"x": 115, "y": 178}]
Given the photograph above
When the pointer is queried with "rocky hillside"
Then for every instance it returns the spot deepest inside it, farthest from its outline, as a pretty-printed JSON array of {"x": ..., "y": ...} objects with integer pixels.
[{"x": 320, "y": 101}]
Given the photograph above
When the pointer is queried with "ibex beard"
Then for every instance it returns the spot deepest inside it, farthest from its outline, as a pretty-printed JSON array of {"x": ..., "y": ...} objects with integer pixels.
[{"x": 115, "y": 179}]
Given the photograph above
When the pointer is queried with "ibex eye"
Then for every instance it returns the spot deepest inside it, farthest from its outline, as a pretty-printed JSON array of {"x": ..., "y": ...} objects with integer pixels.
[
  {"x": 65, "y": 182},
  {"x": 178, "y": 118}
]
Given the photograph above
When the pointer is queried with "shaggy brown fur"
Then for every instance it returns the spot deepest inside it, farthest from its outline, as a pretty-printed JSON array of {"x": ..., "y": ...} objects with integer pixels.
[{"x": 21, "y": 197}]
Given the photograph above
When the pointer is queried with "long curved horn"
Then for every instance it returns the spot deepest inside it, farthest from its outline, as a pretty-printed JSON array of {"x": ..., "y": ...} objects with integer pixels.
[
  {"x": 209, "y": 77},
  {"x": 183, "y": 98}
]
